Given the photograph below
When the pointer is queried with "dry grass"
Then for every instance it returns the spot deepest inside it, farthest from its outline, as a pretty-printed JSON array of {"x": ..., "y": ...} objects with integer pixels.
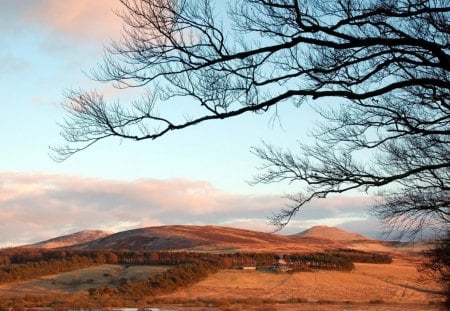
[{"x": 369, "y": 284}]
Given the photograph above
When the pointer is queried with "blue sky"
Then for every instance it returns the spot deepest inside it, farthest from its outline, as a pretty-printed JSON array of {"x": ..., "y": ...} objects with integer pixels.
[{"x": 45, "y": 48}]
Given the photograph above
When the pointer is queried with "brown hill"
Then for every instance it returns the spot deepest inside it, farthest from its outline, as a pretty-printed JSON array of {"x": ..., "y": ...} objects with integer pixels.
[
  {"x": 188, "y": 237},
  {"x": 215, "y": 239},
  {"x": 330, "y": 233},
  {"x": 72, "y": 239}
]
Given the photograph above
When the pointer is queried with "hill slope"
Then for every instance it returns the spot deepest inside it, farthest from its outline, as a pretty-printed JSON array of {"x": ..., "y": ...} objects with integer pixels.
[
  {"x": 187, "y": 237},
  {"x": 330, "y": 233},
  {"x": 72, "y": 239}
]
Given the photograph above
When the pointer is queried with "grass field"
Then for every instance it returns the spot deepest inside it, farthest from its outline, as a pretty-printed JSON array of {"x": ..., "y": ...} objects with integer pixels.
[{"x": 398, "y": 285}]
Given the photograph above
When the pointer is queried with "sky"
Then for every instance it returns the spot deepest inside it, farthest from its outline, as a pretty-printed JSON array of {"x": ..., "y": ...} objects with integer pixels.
[{"x": 196, "y": 176}]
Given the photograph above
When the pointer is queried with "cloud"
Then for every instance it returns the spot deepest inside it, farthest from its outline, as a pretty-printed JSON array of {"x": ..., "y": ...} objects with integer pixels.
[
  {"x": 37, "y": 206},
  {"x": 370, "y": 227},
  {"x": 337, "y": 205},
  {"x": 80, "y": 19}
]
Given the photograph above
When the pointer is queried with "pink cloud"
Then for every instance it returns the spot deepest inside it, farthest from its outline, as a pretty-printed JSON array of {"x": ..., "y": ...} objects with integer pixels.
[
  {"x": 342, "y": 202},
  {"x": 81, "y": 19},
  {"x": 37, "y": 206}
]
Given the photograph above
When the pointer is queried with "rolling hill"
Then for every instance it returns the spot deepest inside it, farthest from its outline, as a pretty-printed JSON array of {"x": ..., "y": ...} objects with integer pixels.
[
  {"x": 212, "y": 239},
  {"x": 186, "y": 237},
  {"x": 330, "y": 233}
]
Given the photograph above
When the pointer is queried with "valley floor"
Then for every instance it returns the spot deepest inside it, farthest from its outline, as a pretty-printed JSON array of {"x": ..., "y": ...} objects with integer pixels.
[{"x": 396, "y": 286}]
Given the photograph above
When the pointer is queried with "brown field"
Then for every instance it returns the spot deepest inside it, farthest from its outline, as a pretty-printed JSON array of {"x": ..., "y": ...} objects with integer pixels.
[{"x": 398, "y": 286}]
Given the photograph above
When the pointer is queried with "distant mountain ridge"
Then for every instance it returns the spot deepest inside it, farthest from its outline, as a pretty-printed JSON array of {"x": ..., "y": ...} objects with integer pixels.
[
  {"x": 207, "y": 238},
  {"x": 72, "y": 239}
]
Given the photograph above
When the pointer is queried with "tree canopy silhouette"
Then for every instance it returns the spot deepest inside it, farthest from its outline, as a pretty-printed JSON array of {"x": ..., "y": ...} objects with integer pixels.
[{"x": 384, "y": 63}]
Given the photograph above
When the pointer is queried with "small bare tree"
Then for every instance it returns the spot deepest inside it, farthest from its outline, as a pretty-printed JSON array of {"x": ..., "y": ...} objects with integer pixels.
[
  {"x": 384, "y": 63},
  {"x": 439, "y": 263}
]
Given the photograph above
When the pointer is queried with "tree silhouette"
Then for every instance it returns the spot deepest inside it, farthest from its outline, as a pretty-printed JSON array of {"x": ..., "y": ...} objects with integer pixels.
[
  {"x": 439, "y": 263},
  {"x": 384, "y": 63}
]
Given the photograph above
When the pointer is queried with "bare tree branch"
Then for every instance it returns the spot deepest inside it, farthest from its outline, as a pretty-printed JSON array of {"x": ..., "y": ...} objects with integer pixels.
[{"x": 386, "y": 64}]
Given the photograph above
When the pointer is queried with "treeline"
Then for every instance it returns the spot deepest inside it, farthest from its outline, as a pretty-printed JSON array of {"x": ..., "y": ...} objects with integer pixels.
[
  {"x": 363, "y": 257},
  {"x": 32, "y": 270},
  {"x": 26, "y": 256},
  {"x": 179, "y": 276},
  {"x": 321, "y": 261},
  {"x": 29, "y": 255}
]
